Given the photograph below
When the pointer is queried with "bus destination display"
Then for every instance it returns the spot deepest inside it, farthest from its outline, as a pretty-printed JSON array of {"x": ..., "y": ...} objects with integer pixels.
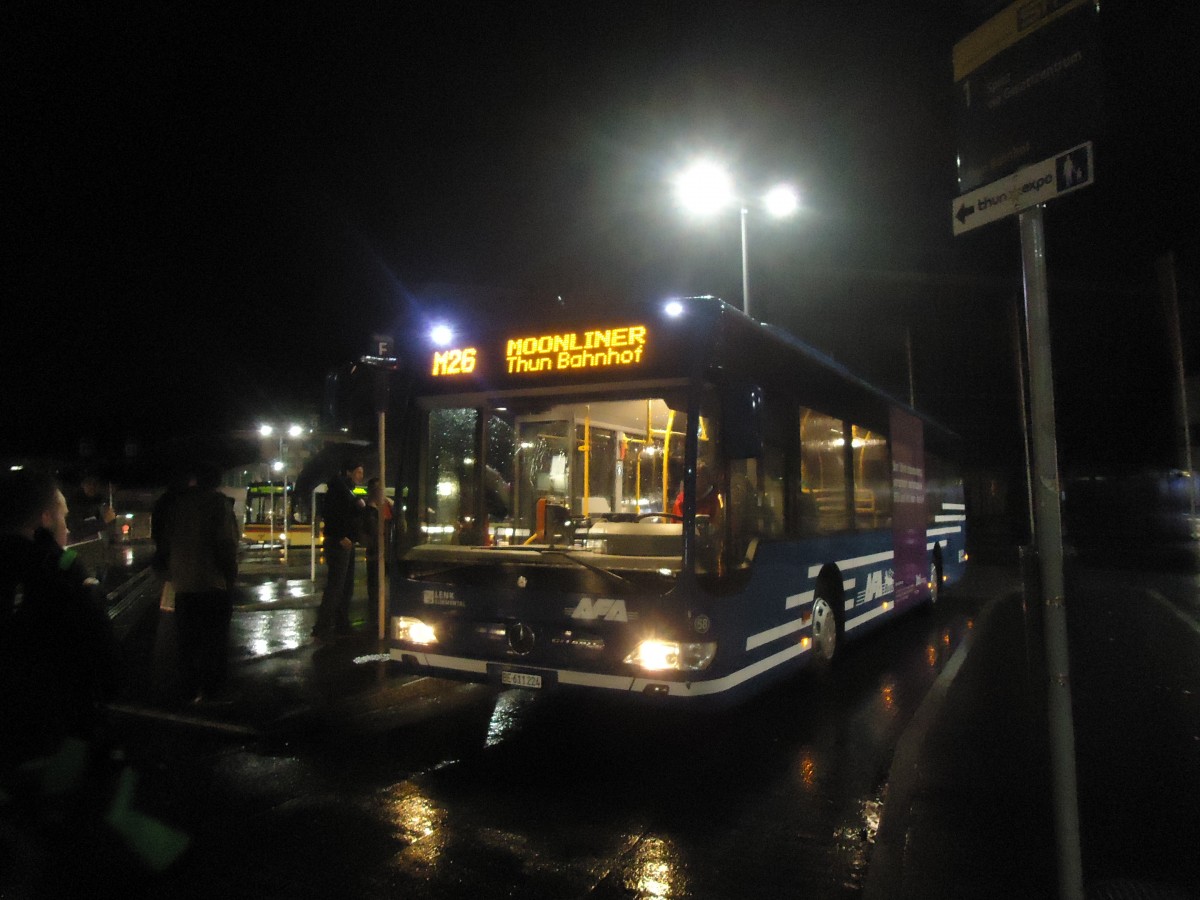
[{"x": 564, "y": 352}]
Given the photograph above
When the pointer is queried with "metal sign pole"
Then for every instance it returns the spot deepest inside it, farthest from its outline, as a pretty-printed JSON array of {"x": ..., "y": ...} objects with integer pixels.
[
  {"x": 287, "y": 533},
  {"x": 1170, "y": 293},
  {"x": 1048, "y": 523},
  {"x": 312, "y": 557},
  {"x": 380, "y": 525},
  {"x": 383, "y": 362}
]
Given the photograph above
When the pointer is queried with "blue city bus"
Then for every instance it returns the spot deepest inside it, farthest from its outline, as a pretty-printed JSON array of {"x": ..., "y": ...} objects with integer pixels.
[{"x": 681, "y": 504}]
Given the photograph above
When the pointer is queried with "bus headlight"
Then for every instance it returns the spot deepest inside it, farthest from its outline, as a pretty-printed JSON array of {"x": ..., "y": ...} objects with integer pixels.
[
  {"x": 655, "y": 655},
  {"x": 413, "y": 631}
]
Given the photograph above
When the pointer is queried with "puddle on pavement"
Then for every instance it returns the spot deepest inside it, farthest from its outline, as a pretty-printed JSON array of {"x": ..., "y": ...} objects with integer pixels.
[{"x": 264, "y": 633}]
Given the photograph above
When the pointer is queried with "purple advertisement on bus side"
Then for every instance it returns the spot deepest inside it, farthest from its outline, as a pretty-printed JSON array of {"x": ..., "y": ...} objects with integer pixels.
[{"x": 908, "y": 507}]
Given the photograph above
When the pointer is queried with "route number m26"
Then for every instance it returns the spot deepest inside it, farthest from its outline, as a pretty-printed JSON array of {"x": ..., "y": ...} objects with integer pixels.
[{"x": 454, "y": 362}]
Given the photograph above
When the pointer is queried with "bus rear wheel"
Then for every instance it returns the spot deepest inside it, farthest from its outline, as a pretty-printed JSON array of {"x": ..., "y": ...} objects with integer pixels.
[{"x": 824, "y": 631}]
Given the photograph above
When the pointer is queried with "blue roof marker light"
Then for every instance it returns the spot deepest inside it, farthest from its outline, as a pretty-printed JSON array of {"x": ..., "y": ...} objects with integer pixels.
[{"x": 441, "y": 335}]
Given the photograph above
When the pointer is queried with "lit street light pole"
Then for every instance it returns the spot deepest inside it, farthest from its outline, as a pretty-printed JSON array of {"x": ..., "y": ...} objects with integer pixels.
[
  {"x": 745, "y": 265},
  {"x": 705, "y": 188},
  {"x": 293, "y": 431}
]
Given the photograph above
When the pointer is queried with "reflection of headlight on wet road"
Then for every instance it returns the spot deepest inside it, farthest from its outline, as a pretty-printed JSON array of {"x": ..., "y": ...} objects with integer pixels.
[{"x": 265, "y": 633}]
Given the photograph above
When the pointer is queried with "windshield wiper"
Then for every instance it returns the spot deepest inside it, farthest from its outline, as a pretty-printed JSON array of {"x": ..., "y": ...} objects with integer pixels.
[
  {"x": 608, "y": 573},
  {"x": 600, "y": 570}
]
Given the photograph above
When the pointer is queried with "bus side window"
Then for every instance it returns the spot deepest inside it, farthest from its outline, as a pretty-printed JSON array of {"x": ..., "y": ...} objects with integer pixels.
[
  {"x": 872, "y": 480},
  {"x": 822, "y": 507}
]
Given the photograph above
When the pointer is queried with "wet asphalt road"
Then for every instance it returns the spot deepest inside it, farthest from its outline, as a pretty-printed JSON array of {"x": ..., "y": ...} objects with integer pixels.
[{"x": 437, "y": 789}]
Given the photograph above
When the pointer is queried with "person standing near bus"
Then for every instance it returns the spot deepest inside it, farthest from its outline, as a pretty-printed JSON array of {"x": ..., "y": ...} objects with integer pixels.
[
  {"x": 343, "y": 527},
  {"x": 58, "y": 666},
  {"x": 91, "y": 514},
  {"x": 58, "y": 657},
  {"x": 202, "y": 540}
]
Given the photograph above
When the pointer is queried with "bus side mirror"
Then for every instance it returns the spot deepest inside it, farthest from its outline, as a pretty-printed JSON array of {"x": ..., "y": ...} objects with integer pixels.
[{"x": 742, "y": 421}]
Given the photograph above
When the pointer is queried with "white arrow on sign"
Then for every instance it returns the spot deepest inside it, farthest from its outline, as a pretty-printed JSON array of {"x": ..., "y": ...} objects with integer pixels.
[{"x": 1034, "y": 184}]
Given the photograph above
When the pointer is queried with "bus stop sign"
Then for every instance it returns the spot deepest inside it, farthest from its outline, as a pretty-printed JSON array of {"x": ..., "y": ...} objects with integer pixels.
[
  {"x": 1027, "y": 85},
  {"x": 1026, "y": 188}
]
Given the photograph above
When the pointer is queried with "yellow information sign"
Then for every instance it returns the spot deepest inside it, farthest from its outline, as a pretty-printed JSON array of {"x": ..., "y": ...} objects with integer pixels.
[{"x": 1016, "y": 21}]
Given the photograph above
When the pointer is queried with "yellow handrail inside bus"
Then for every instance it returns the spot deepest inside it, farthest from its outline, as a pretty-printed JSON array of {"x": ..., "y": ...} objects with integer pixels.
[
  {"x": 666, "y": 484},
  {"x": 586, "y": 449}
]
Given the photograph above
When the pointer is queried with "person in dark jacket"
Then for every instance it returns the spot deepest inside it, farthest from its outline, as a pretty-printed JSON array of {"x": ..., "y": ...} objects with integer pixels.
[
  {"x": 58, "y": 664},
  {"x": 58, "y": 659},
  {"x": 160, "y": 517},
  {"x": 90, "y": 514},
  {"x": 201, "y": 539},
  {"x": 343, "y": 527}
]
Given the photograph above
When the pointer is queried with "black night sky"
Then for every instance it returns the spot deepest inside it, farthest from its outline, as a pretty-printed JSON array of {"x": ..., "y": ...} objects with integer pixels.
[{"x": 206, "y": 208}]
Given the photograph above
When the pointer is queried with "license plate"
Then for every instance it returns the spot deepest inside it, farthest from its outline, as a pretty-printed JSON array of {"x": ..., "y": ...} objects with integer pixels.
[{"x": 521, "y": 679}]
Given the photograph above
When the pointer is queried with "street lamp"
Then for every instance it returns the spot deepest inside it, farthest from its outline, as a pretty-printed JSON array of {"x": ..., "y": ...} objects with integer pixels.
[
  {"x": 280, "y": 465},
  {"x": 706, "y": 188}
]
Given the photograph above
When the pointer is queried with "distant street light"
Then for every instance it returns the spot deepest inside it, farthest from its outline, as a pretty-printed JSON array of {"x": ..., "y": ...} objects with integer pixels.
[
  {"x": 705, "y": 188},
  {"x": 280, "y": 465}
]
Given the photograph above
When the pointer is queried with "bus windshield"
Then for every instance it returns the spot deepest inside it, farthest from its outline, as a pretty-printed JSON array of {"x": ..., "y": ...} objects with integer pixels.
[{"x": 599, "y": 475}]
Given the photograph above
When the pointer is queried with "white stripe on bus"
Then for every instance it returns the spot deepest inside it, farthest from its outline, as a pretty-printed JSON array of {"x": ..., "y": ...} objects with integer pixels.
[
  {"x": 773, "y": 634},
  {"x": 952, "y": 529},
  {"x": 478, "y": 666},
  {"x": 727, "y": 682},
  {"x": 856, "y": 563},
  {"x": 955, "y": 518},
  {"x": 624, "y": 682},
  {"x": 800, "y": 599},
  {"x": 593, "y": 679},
  {"x": 961, "y": 506},
  {"x": 867, "y": 617}
]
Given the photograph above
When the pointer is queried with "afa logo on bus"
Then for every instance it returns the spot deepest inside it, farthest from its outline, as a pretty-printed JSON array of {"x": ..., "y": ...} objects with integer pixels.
[{"x": 604, "y": 608}]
